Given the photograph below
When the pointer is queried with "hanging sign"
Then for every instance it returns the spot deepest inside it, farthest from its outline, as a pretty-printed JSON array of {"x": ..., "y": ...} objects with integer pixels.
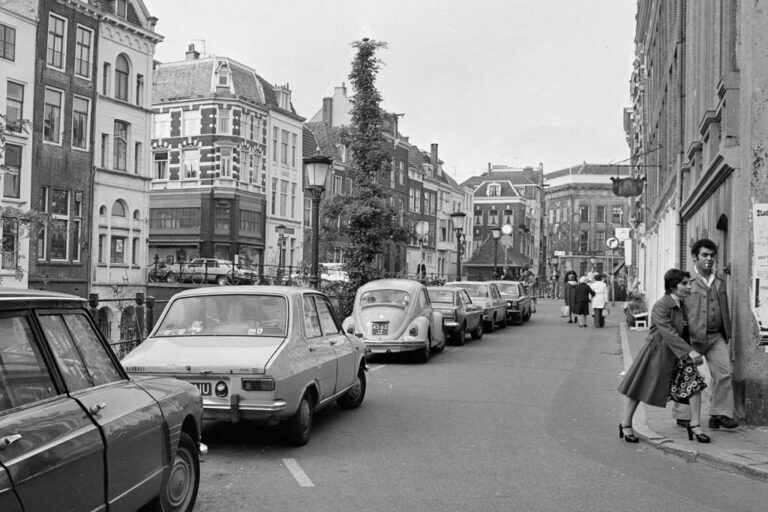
[{"x": 628, "y": 187}]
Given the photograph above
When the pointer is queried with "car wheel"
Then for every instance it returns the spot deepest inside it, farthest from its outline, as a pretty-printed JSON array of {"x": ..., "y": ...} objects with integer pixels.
[
  {"x": 180, "y": 490},
  {"x": 422, "y": 356},
  {"x": 299, "y": 425},
  {"x": 198, "y": 278},
  {"x": 477, "y": 334},
  {"x": 460, "y": 336},
  {"x": 491, "y": 325},
  {"x": 171, "y": 277},
  {"x": 503, "y": 322},
  {"x": 223, "y": 280},
  {"x": 354, "y": 396}
]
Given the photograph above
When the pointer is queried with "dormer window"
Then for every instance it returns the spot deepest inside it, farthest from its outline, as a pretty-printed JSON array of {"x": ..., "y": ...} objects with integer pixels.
[
  {"x": 494, "y": 189},
  {"x": 222, "y": 79},
  {"x": 121, "y": 9}
]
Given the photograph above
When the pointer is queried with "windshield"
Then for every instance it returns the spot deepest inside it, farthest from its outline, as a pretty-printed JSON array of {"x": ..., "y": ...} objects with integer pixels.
[
  {"x": 509, "y": 289},
  {"x": 225, "y": 315},
  {"x": 444, "y": 296},
  {"x": 475, "y": 290},
  {"x": 398, "y": 298}
]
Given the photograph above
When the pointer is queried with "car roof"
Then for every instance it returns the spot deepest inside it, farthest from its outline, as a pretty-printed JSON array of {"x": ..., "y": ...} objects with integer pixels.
[
  {"x": 459, "y": 283},
  {"x": 396, "y": 284},
  {"x": 244, "y": 290},
  {"x": 16, "y": 294}
]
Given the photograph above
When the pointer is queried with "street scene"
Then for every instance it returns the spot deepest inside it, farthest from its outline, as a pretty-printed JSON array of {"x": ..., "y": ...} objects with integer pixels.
[{"x": 383, "y": 255}]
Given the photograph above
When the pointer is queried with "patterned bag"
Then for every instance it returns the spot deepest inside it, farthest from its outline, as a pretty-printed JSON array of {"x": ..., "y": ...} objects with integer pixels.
[{"x": 686, "y": 381}]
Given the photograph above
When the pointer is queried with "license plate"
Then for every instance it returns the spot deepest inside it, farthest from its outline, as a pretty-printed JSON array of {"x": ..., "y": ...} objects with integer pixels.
[
  {"x": 204, "y": 387},
  {"x": 380, "y": 328}
]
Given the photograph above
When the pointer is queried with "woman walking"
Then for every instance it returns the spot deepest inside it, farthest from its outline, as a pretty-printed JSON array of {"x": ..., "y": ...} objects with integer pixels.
[
  {"x": 599, "y": 300},
  {"x": 650, "y": 378},
  {"x": 569, "y": 292},
  {"x": 582, "y": 295}
]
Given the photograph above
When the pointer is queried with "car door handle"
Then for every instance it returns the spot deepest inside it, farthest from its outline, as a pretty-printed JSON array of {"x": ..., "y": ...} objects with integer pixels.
[
  {"x": 312, "y": 348},
  {"x": 97, "y": 408},
  {"x": 7, "y": 441},
  {"x": 333, "y": 342}
]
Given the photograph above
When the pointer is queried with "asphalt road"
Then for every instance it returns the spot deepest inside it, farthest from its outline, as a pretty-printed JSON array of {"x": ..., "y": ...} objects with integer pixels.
[{"x": 525, "y": 420}]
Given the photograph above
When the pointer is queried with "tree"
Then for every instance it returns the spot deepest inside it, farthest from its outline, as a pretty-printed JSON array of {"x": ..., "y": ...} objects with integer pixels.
[{"x": 370, "y": 222}]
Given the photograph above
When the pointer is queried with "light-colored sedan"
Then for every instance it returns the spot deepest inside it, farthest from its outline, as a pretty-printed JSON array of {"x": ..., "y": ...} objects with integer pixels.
[
  {"x": 487, "y": 295},
  {"x": 396, "y": 315},
  {"x": 460, "y": 314},
  {"x": 268, "y": 354}
]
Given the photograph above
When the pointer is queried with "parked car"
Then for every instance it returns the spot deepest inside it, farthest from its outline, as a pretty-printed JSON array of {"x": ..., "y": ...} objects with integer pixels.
[
  {"x": 487, "y": 295},
  {"x": 76, "y": 432},
  {"x": 518, "y": 300},
  {"x": 460, "y": 314},
  {"x": 268, "y": 354},
  {"x": 396, "y": 315},
  {"x": 204, "y": 270}
]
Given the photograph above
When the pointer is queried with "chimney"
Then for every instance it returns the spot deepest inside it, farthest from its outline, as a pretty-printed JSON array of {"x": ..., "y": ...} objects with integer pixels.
[
  {"x": 435, "y": 161},
  {"x": 328, "y": 112},
  {"x": 528, "y": 172},
  {"x": 191, "y": 53}
]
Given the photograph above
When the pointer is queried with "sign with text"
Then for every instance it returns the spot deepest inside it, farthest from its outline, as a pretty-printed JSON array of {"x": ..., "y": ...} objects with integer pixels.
[{"x": 760, "y": 268}]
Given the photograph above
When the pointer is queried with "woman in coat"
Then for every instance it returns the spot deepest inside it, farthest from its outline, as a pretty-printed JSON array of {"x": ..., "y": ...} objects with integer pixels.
[
  {"x": 582, "y": 295},
  {"x": 570, "y": 295},
  {"x": 599, "y": 299},
  {"x": 649, "y": 379}
]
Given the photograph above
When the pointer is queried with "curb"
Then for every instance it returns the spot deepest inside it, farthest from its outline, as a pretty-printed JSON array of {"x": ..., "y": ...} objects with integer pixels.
[{"x": 728, "y": 461}]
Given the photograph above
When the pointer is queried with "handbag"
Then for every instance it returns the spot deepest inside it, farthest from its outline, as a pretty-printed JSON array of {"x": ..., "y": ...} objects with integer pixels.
[
  {"x": 606, "y": 310},
  {"x": 686, "y": 381},
  {"x": 565, "y": 311}
]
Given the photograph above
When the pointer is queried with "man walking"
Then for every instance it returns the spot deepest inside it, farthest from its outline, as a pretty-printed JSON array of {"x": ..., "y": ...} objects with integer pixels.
[{"x": 709, "y": 326}]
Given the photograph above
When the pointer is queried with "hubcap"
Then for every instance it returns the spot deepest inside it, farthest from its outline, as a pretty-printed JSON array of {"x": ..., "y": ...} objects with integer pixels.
[{"x": 179, "y": 480}]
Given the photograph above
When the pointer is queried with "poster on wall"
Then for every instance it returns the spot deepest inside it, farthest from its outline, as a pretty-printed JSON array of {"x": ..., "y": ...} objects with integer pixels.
[{"x": 760, "y": 268}]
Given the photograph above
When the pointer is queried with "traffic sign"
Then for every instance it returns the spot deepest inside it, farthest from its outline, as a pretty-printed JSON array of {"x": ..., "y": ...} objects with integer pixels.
[
  {"x": 507, "y": 241},
  {"x": 612, "y": 242}
]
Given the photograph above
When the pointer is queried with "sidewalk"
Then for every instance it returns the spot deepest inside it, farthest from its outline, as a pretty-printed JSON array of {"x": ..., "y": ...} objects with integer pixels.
[{"x": 742, "y": 450}]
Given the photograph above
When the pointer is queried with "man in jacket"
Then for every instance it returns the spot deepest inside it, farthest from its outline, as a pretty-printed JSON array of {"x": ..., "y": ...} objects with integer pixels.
[{"x": 709, "y": 327}]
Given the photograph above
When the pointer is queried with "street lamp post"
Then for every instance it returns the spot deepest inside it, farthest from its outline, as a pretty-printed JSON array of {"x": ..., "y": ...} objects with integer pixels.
[
  {"x": 280, "y": 241},
  {"x": 316, "y": 170},
  {"x": 496, "y": 232},
  {"x": 457, "y": 218}
]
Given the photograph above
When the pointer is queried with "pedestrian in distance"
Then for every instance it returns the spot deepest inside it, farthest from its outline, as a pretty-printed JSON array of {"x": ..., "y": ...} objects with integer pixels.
[
  {"x": 582, "y": 295},
  {"x": 599, "y": 300},
  {"x": 654, "y": 369},
  {"x": 709, "y": 325},
  {"x": 569, "y": 293}
]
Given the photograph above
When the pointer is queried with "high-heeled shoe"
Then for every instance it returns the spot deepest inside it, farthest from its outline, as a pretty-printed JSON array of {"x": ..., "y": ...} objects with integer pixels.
[
  {"x": 631, "y": 437},
  {"x": 702, "y": 438}
]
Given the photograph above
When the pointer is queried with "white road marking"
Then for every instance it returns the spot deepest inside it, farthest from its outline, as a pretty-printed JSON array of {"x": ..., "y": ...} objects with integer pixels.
[
  {"x": 298, "y": 473},
  {"x": 376, "y": 367}
]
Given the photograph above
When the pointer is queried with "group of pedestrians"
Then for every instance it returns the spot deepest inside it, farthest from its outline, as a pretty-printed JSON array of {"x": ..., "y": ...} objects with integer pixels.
[
  {"x": 689, "y": 324},
  {"x": 579, "y": 295}
]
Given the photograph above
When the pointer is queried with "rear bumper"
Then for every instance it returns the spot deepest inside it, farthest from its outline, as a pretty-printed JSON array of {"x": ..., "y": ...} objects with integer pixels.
[
  {"x": 387, "y": 347},
  {"x": 235, "y": 410}
]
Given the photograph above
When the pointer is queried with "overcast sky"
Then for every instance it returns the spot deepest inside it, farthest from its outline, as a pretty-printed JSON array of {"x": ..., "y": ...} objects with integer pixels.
[{"x": 513, "y": 82}]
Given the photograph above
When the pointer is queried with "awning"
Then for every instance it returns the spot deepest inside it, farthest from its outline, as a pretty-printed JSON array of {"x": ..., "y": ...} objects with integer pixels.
[{"x": 174, "y": 243}]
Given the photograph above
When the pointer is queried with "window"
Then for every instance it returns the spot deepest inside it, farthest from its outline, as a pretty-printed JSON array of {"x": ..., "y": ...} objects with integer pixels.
[
  {"x": 249, "y": 221},
  {"x": 14, "y": 106},
  {"x": 283, "y": 197},
  {"x": 10, "y": 240},
  {"x": 600, "y": 214},
  {"x": 83, "y": 44},
  {"x": 584, "y": 213},
  {"x": 12, "y": 175},
  {"x": 120, "y": 146},
  {"x": 162, "y": 126},
  {"x": 294, "y": 139},
  {"x": 7, "y": 42},
  {"x": 80, "y": 125},
  {"x": 24, "y": 373},
  {"x": 42, "y": 235},
  {"x": 135, "y": 251},
  {"x": 117, "y": 249},
  {"x": 139, "y": 88},
  {"x": 222, "y": 220},
  {"x": 478, "y": 218},
  {"x": 599, "y": 240},
  {"x": 118, "y": 209},
  {"x": 161, "y": 166},
  {"x": 401, "y": 172},
  {"x": 509, "y": 217},
  {"x": 104, "y": 149},
  {"x": 56, "y": 32},
  {"x": 338, "y": 182},
  {"x": 223, "y": 76},
  {"x": 76, "y": 240},
  {"x": 307, "y": 211},
  {"x": 190, "y": 122},
  {"x": 494, "y": 189},
  {"x": 226, "y": 162},
  {"x": 174, "y": 218},
  {"x": 443, "y": 230},
  {"x": 191, "y": 164},
  {"x": 617, "y": 214},
  {"x": 122, "y": 71},
  {"x": 284, "y": 147},
  {"x": 275, "y": 136},
  {"x": 52, "y": 116},
  {"x": 293, "y": 200},
  {"x": 225, "y": 125},
  {"x": 122, "y": 8},
  {"x": 102, "y": 242},
  {"x": 59, "y": 224},
  {"x": 274, "y": 195},
  {"x": 493, "y": 218},
  {"x": 583, "y": 241},
  {"x": 105, "y": 75},
  {"x": 137, "y": 150}
]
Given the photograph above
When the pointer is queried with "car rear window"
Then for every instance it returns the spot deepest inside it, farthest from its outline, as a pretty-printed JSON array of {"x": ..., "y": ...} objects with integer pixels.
[
  {"x": 385, "y": 296},
  {"x": 509, "y": 289},
  {"x": 475, "y": 290},
  {"x": 225, "y": 315},
  {"x": 445, "y": 296}
]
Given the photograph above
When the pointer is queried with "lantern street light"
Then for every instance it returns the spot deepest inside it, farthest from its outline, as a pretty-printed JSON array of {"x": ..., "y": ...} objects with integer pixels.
[
  {"x": 496, "y": 232},
  {"x": 280, "y": 241},
  {"x": 316, "y": 170},
  {"x": 458, "y": 218}
]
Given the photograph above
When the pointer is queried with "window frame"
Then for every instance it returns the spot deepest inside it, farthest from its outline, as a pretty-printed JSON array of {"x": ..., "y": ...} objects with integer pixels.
[
  {"x": 79, "y": 47},
  {"x": 9, "y": 168},
  {"x": 118, "y": 141},
  {"x": 122, "y": 78},
  {"x": 51, "y": 53},
  {"x": 5, "y": 30},
  {"x": 87, "y": 125},
  {"x": 62, "y": 218},
  {"x": 59, "y": 122},
  {"x": 14, "y": 124}
]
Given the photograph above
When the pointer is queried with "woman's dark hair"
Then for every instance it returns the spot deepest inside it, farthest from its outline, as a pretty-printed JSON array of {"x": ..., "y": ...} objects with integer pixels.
[
  {"x": 598, "y": 277},
  {"x": 674, "y": 277}
]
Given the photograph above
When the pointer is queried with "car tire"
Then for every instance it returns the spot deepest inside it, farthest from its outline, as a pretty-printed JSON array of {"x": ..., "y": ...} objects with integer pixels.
[
  {"x": 179, "y": 492},
  {"x": 198, "y": 278},
  {"x": 354, "y": 396},
  {"x": 489, "y": 327},
  {"x": 422, "y": 356},
  {"x": 171, "y": 277},
  {"x": 299, "y": 426},
  {"x": 460, "y": 337},
  {"x": 503, "y": 322},
  {"x": 477, "y": 334},
  {"x": 223, "y": 280}
]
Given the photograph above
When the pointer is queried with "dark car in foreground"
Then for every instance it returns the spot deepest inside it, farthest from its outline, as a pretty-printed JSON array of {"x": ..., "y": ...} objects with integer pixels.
[
  {"x": 76, "y": 432},
  {"x": 460, "y": 315}
]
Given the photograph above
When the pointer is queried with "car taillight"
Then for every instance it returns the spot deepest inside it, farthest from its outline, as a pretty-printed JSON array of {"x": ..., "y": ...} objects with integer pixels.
[
  {"x": 514, "y": 305},
  {"x": 221, "y": 389},
  {"x": 258, "y": 384}
]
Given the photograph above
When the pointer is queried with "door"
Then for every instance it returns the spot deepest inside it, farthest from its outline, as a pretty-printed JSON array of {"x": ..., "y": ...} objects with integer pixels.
[
  {"x": 130, "y": 420},
  {"x": 346, "y": 353},
  {"x": 48, "y": 446},
  {"x": 321, "y": 348}
]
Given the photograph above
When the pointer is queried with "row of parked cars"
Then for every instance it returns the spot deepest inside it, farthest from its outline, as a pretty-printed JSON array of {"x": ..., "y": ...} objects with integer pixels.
[{"x": 127, "y": 434}]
